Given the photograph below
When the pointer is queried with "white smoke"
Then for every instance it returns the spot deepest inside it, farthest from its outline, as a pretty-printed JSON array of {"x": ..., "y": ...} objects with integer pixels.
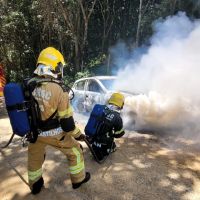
[{"x": 166, "y": 77}]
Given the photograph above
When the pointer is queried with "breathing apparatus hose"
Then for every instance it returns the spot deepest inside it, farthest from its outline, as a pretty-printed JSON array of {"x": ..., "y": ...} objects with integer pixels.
[
  {"x": 10, "y": 140},
  {"x": 72, "y": 92}
]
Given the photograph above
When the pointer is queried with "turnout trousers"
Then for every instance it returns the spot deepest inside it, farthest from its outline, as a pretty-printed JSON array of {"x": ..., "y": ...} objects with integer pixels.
[{"x": 67, "y": 145}]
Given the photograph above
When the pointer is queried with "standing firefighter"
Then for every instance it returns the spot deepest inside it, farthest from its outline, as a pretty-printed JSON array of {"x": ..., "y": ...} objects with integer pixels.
[
  {"x": 57, "y": 127},
  {"x": 105, "y": 124}
]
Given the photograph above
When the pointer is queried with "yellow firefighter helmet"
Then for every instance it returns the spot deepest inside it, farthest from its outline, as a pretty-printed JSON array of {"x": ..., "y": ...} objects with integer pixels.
[
  {"x": 117, "y": 99},
  {"x": 50, "y": 62}
]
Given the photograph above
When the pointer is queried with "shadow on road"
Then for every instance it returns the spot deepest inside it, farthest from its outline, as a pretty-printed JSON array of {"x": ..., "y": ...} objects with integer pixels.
[{"x": 144, "y": 167}]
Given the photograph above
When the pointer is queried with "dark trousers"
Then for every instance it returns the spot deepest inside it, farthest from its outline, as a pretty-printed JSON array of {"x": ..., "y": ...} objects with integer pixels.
[{"x": 103, "y": 149}]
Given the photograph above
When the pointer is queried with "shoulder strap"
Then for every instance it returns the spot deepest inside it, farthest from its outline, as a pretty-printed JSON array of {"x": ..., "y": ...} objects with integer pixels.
[
  {"x": 35, "y": 113},
  {"x": 65, "y": 88}
]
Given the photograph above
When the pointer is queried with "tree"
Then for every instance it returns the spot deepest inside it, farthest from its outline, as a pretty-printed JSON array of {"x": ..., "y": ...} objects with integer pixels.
[
  {"x": 14, "y": 37},
  {"x": 86, "y": 12},
  {"x": 83, "y": 30}
]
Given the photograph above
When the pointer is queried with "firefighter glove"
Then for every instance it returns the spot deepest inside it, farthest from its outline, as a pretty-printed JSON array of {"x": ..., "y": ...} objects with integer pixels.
[{"x": 81, "y": 137}]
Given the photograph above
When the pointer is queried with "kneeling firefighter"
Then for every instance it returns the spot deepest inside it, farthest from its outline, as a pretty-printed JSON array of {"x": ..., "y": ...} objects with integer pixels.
[
  {"x": 57, "y": 127},
  {"x": 105, "y": 124}
]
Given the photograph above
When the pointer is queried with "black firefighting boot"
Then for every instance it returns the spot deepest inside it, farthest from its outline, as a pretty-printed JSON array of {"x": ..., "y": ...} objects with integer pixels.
[
  {"x": 86, "y": 179},
  {"x": 37, "y": 186}
]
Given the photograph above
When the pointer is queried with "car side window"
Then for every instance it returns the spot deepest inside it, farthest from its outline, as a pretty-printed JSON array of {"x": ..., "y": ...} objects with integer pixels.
[
  {"x": 93, "y": 86},
  {"x": 80, "y": 85}
]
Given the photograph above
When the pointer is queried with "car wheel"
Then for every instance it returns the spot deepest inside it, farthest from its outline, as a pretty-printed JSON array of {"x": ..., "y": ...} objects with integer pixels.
[
  {"x": 80, "y": 106},
  {"x": 77, "y": 105}
]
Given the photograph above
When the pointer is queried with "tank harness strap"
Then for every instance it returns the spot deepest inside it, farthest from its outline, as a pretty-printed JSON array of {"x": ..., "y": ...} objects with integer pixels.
[
  {"x": 19, "y": 106},
  {"x": 49, "y": 123}
]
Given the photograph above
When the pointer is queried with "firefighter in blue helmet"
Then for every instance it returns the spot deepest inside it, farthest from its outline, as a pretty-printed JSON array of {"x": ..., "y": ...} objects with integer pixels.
[{"x": 111, "y": 126}]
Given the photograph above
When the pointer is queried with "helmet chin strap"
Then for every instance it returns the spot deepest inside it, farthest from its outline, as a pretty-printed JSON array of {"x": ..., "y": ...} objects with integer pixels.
[{"x": 59, "y": 71}]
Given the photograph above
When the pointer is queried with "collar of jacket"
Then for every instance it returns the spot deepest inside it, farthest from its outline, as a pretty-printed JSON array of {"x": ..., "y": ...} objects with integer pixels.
[{"x": 114, "y": 108}]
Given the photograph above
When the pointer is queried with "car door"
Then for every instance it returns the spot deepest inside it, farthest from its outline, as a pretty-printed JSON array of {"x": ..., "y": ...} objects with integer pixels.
[
  {"x": 79, "y": 95},
  {"x": 93, "y": 94}
]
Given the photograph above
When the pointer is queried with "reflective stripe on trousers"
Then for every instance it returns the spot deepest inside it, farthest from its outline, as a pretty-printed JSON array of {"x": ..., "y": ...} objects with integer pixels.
[
  {"x": 119, "y": 132},
  {"x": 34, "y": 175},
  {"x": 79, "y": 164}
]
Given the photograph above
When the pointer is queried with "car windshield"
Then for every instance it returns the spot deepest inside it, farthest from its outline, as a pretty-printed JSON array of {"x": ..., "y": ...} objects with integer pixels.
[{"x": 108, "y": 83}]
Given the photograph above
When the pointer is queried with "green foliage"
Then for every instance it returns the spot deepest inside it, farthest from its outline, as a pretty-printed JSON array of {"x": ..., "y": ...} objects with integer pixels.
[
  {"x": 83, "y": 74},
  {"x": 28, "y": 26},
  {"x": 95, "y": 62},
  {"x": 68, "y": 80}
]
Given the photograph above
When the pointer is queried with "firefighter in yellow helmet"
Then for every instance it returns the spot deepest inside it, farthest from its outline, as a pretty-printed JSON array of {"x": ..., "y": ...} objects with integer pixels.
[
  {"x": 56, "y": 125},
  {"x": 109, "y": 127}
]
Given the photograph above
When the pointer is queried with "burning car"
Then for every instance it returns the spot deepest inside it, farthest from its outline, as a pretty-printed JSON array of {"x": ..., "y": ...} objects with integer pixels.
[{"x": 91, "y": 90}]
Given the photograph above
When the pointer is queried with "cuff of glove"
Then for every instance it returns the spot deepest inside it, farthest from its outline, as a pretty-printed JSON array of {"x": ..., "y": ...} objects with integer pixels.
[
  {"x": 81, "y": 137},
  {"x": 76, "y": 133}
]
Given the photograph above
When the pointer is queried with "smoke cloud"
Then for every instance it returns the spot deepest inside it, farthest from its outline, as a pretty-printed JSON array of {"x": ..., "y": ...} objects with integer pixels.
[{"x": 166, "y": 77}]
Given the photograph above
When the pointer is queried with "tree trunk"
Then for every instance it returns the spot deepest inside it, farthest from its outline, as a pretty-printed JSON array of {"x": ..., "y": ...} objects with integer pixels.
[
  {"x": 77, "y": 55},
  {"x": 60, "y": 41},
  {"x": 108, "y": 65},
  {"x": 173, "y": 6},
  {"x": 84, "y": 44},
  {"x": 86, "y": 18},
  {"x": 139, "y": 25}
]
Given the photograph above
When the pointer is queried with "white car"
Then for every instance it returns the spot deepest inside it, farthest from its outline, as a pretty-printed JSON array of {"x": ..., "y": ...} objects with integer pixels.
[{"x": 91, "y": 90}]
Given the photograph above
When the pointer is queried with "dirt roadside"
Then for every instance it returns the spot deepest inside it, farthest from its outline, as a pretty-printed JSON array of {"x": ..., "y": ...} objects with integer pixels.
[{"x": 144, "y": 167}]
